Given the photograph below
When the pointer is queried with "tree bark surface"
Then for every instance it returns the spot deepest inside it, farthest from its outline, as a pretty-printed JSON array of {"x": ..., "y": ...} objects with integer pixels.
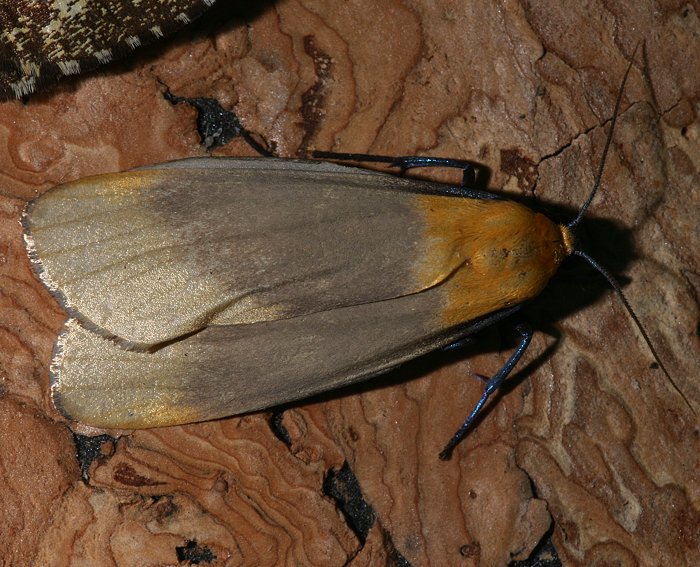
[{"x": 591, "y": 439}]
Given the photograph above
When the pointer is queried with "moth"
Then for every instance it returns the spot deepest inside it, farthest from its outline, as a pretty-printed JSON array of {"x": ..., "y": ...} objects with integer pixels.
[{"x": 209, "y": 287}]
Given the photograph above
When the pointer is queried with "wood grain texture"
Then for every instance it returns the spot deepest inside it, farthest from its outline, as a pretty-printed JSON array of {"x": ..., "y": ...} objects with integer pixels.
[{"x": 607, "y": 445}]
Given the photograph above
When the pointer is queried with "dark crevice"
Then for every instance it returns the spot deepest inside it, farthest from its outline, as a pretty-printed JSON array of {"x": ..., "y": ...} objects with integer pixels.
[
  {"x": 278, "y": 428},
  {"x": 89, "y": 449},
  {"x": 544, "y": 554},
  {"x": 193, "y": 553},
  {"x": 343, "y": 487},
  {"x": 216, "y": 125}
]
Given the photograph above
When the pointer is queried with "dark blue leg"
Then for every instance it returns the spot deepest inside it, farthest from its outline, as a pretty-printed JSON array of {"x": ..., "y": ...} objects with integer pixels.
[
  {"x": 491, "y": 386},
  {"x": 404, "y": 163}
]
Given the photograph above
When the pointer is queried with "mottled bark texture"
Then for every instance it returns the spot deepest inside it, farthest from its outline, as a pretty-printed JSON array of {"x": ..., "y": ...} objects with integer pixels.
[{"x": 591, "y": 434}]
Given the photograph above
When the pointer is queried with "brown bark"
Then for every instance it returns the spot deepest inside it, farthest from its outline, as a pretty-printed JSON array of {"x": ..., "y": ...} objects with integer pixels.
[{"x": 609, "y": 446}]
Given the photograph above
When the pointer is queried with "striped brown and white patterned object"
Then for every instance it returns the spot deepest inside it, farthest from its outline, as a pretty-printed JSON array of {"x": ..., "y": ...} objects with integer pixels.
[{"x": 44, "y": 40}]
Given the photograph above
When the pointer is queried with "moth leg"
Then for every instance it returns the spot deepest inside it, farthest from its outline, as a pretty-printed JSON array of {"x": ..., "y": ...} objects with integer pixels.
[
  {"x": 404, "y": 163},
  {"x": 491, "y": 386}
]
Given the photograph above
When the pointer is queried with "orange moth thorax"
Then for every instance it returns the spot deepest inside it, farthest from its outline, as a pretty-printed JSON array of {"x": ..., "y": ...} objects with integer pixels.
[{"x": 489, "y": 254}]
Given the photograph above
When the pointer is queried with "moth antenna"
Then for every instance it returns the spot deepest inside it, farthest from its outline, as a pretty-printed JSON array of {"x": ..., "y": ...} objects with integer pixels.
[
  {"x": 618, "y": 290},
  {"x": 608, "y": 141},
  {"x": 611, "y": 281}
]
